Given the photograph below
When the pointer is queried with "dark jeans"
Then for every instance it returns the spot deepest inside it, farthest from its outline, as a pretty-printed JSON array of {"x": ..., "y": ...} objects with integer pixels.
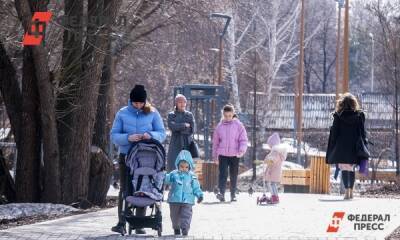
[
  {"x": 233, "y": 164},
  {"x": 122, "y": 178}
]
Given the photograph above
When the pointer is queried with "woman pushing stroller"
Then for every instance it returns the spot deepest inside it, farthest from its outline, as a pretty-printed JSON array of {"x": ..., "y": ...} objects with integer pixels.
[{"x": 134, "y": 122}]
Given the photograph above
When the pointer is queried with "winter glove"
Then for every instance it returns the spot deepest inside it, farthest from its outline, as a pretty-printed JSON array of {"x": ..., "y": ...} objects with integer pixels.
[{"x": 199, "y": 199}]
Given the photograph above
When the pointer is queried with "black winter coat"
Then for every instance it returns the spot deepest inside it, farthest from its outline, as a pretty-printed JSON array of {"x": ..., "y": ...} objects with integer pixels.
[
  {"x": 181, "y": 136},
  {"x": 344, "y": 133}
]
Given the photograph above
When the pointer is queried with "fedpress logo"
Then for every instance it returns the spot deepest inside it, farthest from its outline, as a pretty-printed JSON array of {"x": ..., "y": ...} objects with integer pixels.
[
  {"x": 337, "y": 218},
  {"x": 360, "y": 222},
  {"x": 36, "y": 31}
]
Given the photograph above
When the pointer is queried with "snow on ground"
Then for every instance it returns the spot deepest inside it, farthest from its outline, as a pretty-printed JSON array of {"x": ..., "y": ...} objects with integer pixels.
[
  {"x": 286, "y": 165},
  {"x": 113, "y": 192},
  {"x": 19, "y": 210}
]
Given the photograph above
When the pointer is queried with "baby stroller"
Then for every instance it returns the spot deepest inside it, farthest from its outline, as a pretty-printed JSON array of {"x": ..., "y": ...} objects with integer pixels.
[{"x": 144, "y": 186}]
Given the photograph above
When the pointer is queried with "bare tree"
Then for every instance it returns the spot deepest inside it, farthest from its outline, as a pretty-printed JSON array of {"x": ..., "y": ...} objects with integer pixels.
[
  {"x": 320, "y": 53},
  {"x": 57, "y": 110},
  {"x": 388, "y": 38}
]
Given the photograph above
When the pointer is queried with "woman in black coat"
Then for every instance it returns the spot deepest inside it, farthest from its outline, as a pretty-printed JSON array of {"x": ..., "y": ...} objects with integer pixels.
[{"x": 346, "y": 130}]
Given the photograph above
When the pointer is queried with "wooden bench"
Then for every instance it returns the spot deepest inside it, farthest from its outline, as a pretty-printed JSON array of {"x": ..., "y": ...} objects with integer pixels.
[
  {"x": 315, "y": 179},
  {"x": 296, "y": 180},
  {"x": 296, "y": 177},
  {"x": 207, "y": 173}
]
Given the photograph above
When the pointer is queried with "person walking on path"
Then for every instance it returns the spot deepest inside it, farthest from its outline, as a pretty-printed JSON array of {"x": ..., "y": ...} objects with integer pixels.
[
  {"x": 346, "y": 134},
  {"x": 182, "y": 126},
  {"x": 274, "y": 161},
  {"x": 229, "y": 145},
  {"x": 185, "y": 187},
  {"x": 134, "y": 122}
]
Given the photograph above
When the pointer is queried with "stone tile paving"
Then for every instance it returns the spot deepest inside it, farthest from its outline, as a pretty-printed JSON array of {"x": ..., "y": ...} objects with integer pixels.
[{"x": 298, "y": 216}]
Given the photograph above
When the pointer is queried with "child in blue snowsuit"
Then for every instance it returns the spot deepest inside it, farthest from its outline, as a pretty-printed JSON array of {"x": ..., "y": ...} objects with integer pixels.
[{"x": 184, "y": 188}]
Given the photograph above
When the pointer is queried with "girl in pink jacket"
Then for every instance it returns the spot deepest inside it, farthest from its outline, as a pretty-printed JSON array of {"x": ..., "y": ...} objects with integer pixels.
[
  {"x": 229, "y": 145},
  {"x": 273, "y": 163}
]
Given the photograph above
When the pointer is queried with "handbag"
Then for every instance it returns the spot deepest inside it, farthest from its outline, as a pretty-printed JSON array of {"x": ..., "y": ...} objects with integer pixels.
[
  {"x": 362, "y": 149},
  {"x": 191, "y": 147},
  {"x": 194, "y": 149},
  {"x": 364, "y": 167}
]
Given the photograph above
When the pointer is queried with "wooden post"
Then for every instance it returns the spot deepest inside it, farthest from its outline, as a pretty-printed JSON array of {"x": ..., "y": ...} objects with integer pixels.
[
  {"x": 319, "y": 175},
  {"x": 299, "y": 86},
  {"x": 346, "y": 47},
  {"x": 338, "y": 85}
]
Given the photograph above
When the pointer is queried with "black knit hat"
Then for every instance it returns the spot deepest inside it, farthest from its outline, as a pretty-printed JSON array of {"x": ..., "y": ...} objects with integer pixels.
[{"x": 138, "y": 94}]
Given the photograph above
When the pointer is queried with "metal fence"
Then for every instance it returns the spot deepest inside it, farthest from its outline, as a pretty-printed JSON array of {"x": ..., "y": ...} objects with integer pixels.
[{"x": 277, "y": 114}]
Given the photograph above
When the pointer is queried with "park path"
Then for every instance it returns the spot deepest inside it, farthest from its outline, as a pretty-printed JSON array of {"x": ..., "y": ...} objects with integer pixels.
[{"x": 298, "y": 216}]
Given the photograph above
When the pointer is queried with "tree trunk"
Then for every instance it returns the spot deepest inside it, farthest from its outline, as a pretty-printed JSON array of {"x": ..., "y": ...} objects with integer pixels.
[
  {"x": 71, "y": 75},
  {"x": 51, "y": 188},
  {"x": 100, "y": 176},
  {"x": 10, "y": 92},
  {"x": 78, "y": 166},
  {"x": 233, "y": 86},
  {"x": 101, "y": 137},
  {"x": 28, "y": 159},
  {"x": 7, "y": 186}
]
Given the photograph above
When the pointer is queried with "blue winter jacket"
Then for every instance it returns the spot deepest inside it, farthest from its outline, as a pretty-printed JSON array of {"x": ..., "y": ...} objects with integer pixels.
[
  {"x": 184, "y": 185},
  {"x": 130, "y": 120}
]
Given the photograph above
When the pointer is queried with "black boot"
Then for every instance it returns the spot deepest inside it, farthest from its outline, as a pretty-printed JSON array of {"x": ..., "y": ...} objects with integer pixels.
[
  {"x": 345, "y": 179},
  {"x": 352, "y": 179},
  {"x": 221, "y": 197},
  {"x": 185, "y": 232},
  {"x": 233, "y": 197},
  {"x": 119, "y": 228},
  {"x": 346, "y": 182},
  {"x": 177, "y": 232}
]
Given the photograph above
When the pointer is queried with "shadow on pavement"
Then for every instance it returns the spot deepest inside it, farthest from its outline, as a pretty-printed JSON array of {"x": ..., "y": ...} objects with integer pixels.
[
  {"x": 215, "y": 203},
  {"x": 133, "y": 236}
]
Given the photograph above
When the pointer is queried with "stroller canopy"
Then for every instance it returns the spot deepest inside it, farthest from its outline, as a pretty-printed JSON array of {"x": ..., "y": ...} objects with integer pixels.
[{"x": 146, "y": 163}]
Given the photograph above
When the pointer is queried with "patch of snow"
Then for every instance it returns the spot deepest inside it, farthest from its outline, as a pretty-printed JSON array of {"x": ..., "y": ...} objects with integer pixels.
[
  {"x": 259, "y": 169},
  {"x": 4, "y": 132},
  {"x": 292, "y": 147},
  {"x": 113, "y": 191},
  {"x": 19, "y": 210}
]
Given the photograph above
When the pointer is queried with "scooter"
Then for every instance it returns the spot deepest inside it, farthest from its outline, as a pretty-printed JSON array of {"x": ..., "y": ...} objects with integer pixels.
[{"x": 264, "y": 199}]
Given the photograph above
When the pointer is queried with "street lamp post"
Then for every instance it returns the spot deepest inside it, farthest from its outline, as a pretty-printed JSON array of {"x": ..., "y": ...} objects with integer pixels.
[
  {"x": 254, "y": 133},
  {"x": 220, "y": 55},
  {"x": 215, "y": 50},
  {"x": 372, "y": 61},
  {"x": 221, "y": 38}
]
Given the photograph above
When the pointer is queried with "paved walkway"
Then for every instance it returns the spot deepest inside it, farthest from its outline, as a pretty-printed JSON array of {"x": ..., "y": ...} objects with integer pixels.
[{"x": 298, "y": 216}]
